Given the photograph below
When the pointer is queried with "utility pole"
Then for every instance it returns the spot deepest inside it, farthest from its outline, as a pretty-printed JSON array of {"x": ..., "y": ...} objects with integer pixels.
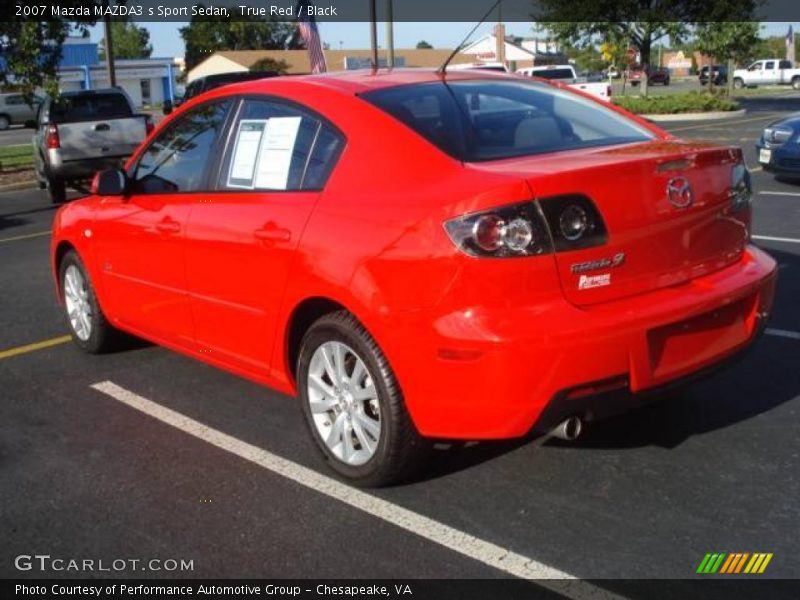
[
  {"x": 109, "y": 47},
  {"x": 373, "y": 33},
  {"x": 390, "y": 34}
]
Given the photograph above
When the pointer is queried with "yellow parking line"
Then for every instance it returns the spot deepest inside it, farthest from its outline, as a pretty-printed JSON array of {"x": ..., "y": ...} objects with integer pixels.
[
  {"x": 755, "y": 169},
  {"x": 35, "y": 346},
  {"x": 24, "y": 237},
  {"x": 713, "y": 125}
]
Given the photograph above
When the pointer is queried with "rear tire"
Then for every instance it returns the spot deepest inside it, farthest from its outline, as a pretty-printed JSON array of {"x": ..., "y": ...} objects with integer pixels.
[
  {"x": 5, "y": 122},
  {"x": 88, "y": 326},
  {"x": 353, "y": 405},
  {"x": 56, "y": 191},
  {"x": 796, "y": 82}
]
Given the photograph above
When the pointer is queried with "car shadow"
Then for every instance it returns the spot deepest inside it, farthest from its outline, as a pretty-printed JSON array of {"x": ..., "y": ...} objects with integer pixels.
[
  {"x": 764, "y": 378},
  {"x": 16, "y": 219}
]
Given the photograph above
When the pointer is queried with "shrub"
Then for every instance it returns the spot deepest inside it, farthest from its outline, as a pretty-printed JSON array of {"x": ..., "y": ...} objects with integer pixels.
[{"x": 675, "y": 103}]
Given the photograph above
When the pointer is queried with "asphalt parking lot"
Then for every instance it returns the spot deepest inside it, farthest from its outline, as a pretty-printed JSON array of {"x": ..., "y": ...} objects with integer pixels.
[{"x": 84, "y": 474}]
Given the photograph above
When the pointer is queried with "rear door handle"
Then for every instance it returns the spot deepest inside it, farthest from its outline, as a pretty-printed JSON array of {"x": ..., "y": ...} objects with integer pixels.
[
  {"x": 168, "y": 226},
  {"x": 272, "y": 233},
  {"x": 102, "y": 127}
]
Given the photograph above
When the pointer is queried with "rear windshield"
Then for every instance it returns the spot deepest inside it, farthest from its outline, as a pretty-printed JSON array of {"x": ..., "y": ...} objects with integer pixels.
[
  {"x": 490, "y": 120},
  {"x": 554, "y": 73},
  {"x": 90, "y": 107}
]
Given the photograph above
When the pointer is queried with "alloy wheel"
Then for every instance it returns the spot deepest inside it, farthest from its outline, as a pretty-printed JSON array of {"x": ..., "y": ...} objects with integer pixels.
[
  {"x": 343, "y": 402},
  {"x": 76, "y": 300}
]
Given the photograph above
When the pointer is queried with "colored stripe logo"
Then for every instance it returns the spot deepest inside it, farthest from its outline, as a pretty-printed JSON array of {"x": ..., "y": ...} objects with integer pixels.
[{"x": 734, "y": 563}]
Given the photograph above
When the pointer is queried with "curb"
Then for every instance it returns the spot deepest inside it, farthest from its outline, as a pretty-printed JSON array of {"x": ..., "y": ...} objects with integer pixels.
[
  {"x": 701, "y": 116},
  {"x": 22, "y": 185}
]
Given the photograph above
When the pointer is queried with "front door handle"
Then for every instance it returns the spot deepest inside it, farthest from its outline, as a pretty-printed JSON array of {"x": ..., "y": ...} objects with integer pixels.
[
  {"x": 272, "y": 233},
  {"x": 168, "y": 226}
]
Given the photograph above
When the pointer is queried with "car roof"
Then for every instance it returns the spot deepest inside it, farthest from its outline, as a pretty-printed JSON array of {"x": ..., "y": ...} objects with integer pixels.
[{"x": 359, "y": 81}]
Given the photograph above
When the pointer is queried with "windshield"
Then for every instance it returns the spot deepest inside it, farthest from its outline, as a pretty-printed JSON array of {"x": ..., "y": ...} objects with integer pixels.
[
  {"x": 90, "y": 107},
  {"x": 553, "y": 73},
  {"x": 488, "y": 120}
]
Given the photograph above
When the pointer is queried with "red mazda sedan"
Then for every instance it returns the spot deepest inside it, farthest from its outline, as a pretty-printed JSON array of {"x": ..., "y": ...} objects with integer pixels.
[{"x": 418, "y": 255}]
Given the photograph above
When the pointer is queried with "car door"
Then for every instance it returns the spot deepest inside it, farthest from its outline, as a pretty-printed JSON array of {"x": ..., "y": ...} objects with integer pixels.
[
  {"x": 770, "y": 75},
  {"x": 140, "y": 236},
  {"x": 241, "y": 240}
]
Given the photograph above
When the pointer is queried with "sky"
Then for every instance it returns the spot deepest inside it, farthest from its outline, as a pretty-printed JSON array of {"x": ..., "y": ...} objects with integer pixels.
[{"x": 167, "y": 41}]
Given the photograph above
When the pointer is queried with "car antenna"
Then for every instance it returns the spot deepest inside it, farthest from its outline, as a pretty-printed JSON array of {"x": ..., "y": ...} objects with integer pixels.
[{"x": 443, "y": 69}]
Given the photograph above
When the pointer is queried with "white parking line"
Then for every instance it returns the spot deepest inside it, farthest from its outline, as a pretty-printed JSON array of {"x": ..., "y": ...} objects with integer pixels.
[
  {"x": 769, "y": 238},
  {"x": 792, "y": 335},
  {"x": 769, "y": 193},
  {"x": 453, "y": 539}
]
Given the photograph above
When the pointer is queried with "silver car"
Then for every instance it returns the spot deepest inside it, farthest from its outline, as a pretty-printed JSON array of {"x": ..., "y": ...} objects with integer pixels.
[{"x": 15, "y": 110}]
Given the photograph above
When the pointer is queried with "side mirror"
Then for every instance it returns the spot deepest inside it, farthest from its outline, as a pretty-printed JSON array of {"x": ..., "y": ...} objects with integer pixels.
[
  {"x": 167, "y": 107},
  {"x": 111, "y": 182}
]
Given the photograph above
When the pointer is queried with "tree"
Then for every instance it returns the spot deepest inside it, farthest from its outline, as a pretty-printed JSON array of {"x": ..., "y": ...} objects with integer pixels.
[
  {"x": 636, "y": 23},
  {"x": 130, "y": 41},
  {"x": 729, "y": 41},
  {"x": 640, "y": 35},
  {"x": 31, "y": 51},
  {"x": 423, "y": 45},
  {"x": 204, "y": 36},
  {"x": 270, "y": 64}
]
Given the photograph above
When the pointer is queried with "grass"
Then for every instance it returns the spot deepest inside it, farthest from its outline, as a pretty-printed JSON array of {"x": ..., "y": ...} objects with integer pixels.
[
  {"x": 16, "y": 157},
  {"x": 668, "y": 104}
]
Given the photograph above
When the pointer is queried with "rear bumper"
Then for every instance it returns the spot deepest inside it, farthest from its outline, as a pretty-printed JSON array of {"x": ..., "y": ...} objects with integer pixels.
[
  {"x": 785, "y": 159},
  {"x": 492, "y": 373},
  {"x": 61, "y": 170}
]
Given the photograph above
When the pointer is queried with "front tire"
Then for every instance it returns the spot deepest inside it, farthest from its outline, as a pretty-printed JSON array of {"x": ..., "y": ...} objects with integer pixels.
[
  {"x": 796, "y": 82},
  {"x": 5, "y": 122},
  {"x": 738, "y": 83},
  {"x": 353, "y": 405},
  {"x": 88, "y": 326}
]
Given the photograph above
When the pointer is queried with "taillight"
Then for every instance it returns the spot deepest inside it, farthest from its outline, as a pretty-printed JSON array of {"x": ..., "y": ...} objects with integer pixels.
[
  {"x": 515, "y": 230},
  {"x": 557, "y": 223},
  {"x": 741, "y": 188},
  {"x": 52, "y": 140},
  {"x": 574, "y": 222},
  {"x": 148, "y": 123},
  {"x": 608, "y": 90}
]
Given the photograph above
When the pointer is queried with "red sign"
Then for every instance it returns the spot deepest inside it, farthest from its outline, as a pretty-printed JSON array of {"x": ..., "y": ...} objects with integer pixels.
[{"x": 630, "y": 55}]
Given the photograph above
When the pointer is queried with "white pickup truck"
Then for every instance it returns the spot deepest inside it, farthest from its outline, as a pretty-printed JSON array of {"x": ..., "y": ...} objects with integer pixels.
[
  {"x": 770, "y": 71},
  {"x": 566, "y": 74}
]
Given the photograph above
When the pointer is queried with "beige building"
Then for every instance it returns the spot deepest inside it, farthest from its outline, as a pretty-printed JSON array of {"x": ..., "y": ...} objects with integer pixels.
[{"x": 527, "y": 53}]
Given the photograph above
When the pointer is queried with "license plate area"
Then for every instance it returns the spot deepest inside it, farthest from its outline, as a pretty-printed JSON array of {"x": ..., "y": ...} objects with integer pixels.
[
  {"x": 764, "y": 155},
  {"x": 688, "y": 345}
]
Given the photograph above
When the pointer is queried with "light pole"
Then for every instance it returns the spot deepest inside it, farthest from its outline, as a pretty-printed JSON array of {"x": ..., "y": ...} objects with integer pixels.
[
  {"x": 390, "y": 34},
  {"x": 109, "y": 46}
]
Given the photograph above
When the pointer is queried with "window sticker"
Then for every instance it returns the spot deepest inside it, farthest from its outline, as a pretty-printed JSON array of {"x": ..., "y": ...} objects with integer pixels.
[
  {"x": 275, "y": 153},
  {"x": 245, "y": 153}
]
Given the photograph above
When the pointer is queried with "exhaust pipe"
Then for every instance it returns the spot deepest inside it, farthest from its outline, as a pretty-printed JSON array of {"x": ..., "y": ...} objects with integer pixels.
[{"x": 569, "y": 429}]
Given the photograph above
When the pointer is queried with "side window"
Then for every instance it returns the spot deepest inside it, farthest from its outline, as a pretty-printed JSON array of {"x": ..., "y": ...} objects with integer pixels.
[
  {"x": 176, "y": 160},
  {"x": 15, "y": 100},
  {"x": 278, "y": 146},
  {"x": 785, "y": 64},
  {"x": 769, "y": 65}
]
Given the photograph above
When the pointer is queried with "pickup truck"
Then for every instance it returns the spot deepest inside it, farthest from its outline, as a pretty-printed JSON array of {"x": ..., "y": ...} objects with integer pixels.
[
  {"x": 770, "y": 71},
  {"x": 80, "y": 133},
  {"x": 566, "y": 74}
]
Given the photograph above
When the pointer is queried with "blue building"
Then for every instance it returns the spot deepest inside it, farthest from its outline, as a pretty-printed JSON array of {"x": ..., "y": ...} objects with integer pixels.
[{"x": 148, "y": 81}]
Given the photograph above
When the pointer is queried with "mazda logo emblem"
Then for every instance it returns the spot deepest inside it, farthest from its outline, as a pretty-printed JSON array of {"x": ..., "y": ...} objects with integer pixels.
[{"x": 679, "y": 192}]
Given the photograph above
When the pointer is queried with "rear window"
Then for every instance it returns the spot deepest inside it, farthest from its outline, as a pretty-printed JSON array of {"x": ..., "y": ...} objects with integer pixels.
[
  {"x": 90, "y": 107},
  {"x": 489, "y": 120},
  {"x": 553, "y": 74}
]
